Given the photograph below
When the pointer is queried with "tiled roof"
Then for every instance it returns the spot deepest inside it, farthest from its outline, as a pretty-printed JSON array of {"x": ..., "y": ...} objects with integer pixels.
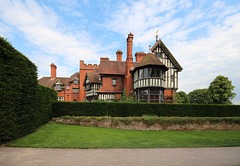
[
  {"x": 112, "y": 67},
  {"x": 93, "y": 77},
  {"x": 170, "y": 56},
  {"x": 150, "y": 59},
  {"x": 47, "y": 81},
  {"x": 74, "y": 75}
]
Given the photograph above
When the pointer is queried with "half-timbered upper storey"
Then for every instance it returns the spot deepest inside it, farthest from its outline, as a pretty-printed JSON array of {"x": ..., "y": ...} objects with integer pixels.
[{"x": 166, "y": 57}]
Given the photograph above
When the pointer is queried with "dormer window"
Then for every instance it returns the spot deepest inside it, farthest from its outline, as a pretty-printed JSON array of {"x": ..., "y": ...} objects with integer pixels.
[
  {"x": 58, "y": 86},
  {"x": 75, "y": 82}
]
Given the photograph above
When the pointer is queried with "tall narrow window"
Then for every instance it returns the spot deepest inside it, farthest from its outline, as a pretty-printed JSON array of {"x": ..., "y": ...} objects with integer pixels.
[
  {"x": 140, "y": 73},
  {"x": 145, "y": 73},
  {"x": 152, "y": 72},
  {"x": 136, "y": 76},
  {"x": 172, "y": 78},
  {"x": 114, "y": 81},
  {"x": 157, "y": 72},
  {"x": 163, "y": 74}
]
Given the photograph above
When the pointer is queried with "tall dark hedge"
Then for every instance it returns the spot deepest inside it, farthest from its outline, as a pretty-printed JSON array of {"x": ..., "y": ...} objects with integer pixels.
[
  {"x": 21, "y": 109},
  {"x": 139, "y": 109}
]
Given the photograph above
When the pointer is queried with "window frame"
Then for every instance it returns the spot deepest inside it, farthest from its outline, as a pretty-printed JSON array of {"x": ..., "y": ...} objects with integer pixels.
[
  {"x": 114, "y": 82},
  {"x": 75, "y": 90},
  {"x": 60, "y": 98}
]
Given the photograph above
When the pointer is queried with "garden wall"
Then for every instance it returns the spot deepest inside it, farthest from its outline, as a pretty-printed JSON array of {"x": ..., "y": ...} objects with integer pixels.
[
  {"x": 24, "y": 105},
  {"x": 115, "y": 109},
  {"x": 154, "y": 123}
]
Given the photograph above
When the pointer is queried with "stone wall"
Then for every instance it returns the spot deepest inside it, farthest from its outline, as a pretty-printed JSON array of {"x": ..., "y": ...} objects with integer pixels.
[{"x": 139, "y": 123}]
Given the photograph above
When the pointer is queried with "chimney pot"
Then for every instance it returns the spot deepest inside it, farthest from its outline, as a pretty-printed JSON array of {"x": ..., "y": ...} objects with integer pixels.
[{"x": 119, "y": 55}]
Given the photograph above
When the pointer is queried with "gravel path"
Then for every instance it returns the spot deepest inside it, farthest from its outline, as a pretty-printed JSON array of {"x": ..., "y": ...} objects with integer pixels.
[{"x": 120, "y": 157}]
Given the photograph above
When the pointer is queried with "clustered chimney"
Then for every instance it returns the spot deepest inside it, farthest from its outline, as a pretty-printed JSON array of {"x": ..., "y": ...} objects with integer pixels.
[
  {"x": 53, "y": 71},
  {"x": 119, "y": 55},
  {"x": 139, "y": 56}
]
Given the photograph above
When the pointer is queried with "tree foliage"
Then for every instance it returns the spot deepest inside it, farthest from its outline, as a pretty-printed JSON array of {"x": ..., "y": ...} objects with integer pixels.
[
  {"x": 199, "y": 96},
  {"x": 181, "y": 97},
  {"x": 125, "y": 98},
  {"x": 220, "y": 91}
]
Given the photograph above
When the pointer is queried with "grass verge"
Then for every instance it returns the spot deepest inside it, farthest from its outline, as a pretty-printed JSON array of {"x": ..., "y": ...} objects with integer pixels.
[{"x": 53, "y": 135}]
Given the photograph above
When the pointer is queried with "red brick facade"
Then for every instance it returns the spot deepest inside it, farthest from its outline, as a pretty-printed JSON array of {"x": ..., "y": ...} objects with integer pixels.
[
  {"x": 111, "y": 78},
  {"x": 84, "y": 68}
]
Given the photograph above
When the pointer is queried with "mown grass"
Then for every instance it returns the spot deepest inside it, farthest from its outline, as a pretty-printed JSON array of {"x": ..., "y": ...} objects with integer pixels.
[{"x": 53, "y": 135}]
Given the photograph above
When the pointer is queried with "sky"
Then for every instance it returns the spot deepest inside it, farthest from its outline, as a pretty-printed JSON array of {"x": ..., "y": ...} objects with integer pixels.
[{"x": 204, "y": 36}]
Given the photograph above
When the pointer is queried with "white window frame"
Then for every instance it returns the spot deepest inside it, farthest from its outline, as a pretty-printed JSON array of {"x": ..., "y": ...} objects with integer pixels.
[{"x": 60, "y": 98}]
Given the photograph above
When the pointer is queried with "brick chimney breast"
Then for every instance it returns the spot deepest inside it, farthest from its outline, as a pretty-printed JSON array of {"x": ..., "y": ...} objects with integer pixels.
[
  {"x": 53, "y": 71},
  {"x": 119, "y": 55}
]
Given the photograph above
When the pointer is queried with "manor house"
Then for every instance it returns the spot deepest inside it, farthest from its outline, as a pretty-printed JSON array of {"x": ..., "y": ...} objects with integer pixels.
[{"x": 153, "y": 77}]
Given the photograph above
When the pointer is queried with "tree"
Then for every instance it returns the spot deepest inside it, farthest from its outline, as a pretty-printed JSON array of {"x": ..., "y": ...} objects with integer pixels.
[
  {"x": 181, "y": 97},
  {"x": 220, "y": 91},
  {"x": 124, "y": 97},
  {"x": 199, "y": 96}
]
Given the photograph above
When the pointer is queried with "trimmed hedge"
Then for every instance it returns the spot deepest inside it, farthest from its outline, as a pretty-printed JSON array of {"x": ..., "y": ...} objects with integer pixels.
[
  {"x": 139, "y": 109},
  {"x": 24, "y": 105}
]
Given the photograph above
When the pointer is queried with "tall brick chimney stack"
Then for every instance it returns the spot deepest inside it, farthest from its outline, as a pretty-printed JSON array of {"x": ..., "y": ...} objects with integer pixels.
[
  {"x": 53, "y": 71},
  {"x": 128, "y": 81},
  {"x": 119, "y": 55},
  {"x": 129, "y": 45}
]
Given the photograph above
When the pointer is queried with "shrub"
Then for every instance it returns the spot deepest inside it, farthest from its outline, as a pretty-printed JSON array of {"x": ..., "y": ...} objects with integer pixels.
[
  {"x": 24, "y": 104},
  {"x": 114, "y": 109}
]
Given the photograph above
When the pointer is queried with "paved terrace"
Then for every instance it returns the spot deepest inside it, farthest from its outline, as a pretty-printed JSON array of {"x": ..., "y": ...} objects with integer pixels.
[{"x": 223, "y": 156}]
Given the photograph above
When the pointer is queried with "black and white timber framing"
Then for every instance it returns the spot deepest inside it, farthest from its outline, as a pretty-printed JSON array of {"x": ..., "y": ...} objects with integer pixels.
[{"x": 166, "y": 57}]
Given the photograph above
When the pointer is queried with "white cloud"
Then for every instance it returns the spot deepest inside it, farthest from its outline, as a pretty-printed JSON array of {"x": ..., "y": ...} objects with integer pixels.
[
  {"x": 217, "y": 54},
  {"x": 205, "y": 40},
  {"x": 45, "y": 29}
]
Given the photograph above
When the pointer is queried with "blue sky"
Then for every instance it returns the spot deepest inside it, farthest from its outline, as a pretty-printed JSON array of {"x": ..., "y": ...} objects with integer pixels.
[{"x": 204, "y": 36}]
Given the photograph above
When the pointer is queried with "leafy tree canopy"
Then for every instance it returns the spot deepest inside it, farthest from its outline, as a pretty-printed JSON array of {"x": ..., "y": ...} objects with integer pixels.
[
  {"x": 181, "y": 97},
  {"x": 220, "y": 91},
  {"x": 199, "y": 96}
]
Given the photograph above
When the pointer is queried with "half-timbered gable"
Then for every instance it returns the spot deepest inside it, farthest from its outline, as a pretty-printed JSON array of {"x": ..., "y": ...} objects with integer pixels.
[
  {"x": 92, "y": 84},
  {"x": 166, "y": 57}
]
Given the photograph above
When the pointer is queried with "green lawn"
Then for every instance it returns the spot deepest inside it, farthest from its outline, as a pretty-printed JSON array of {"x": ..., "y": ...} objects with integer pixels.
[{"x": 53, "y": 135}]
